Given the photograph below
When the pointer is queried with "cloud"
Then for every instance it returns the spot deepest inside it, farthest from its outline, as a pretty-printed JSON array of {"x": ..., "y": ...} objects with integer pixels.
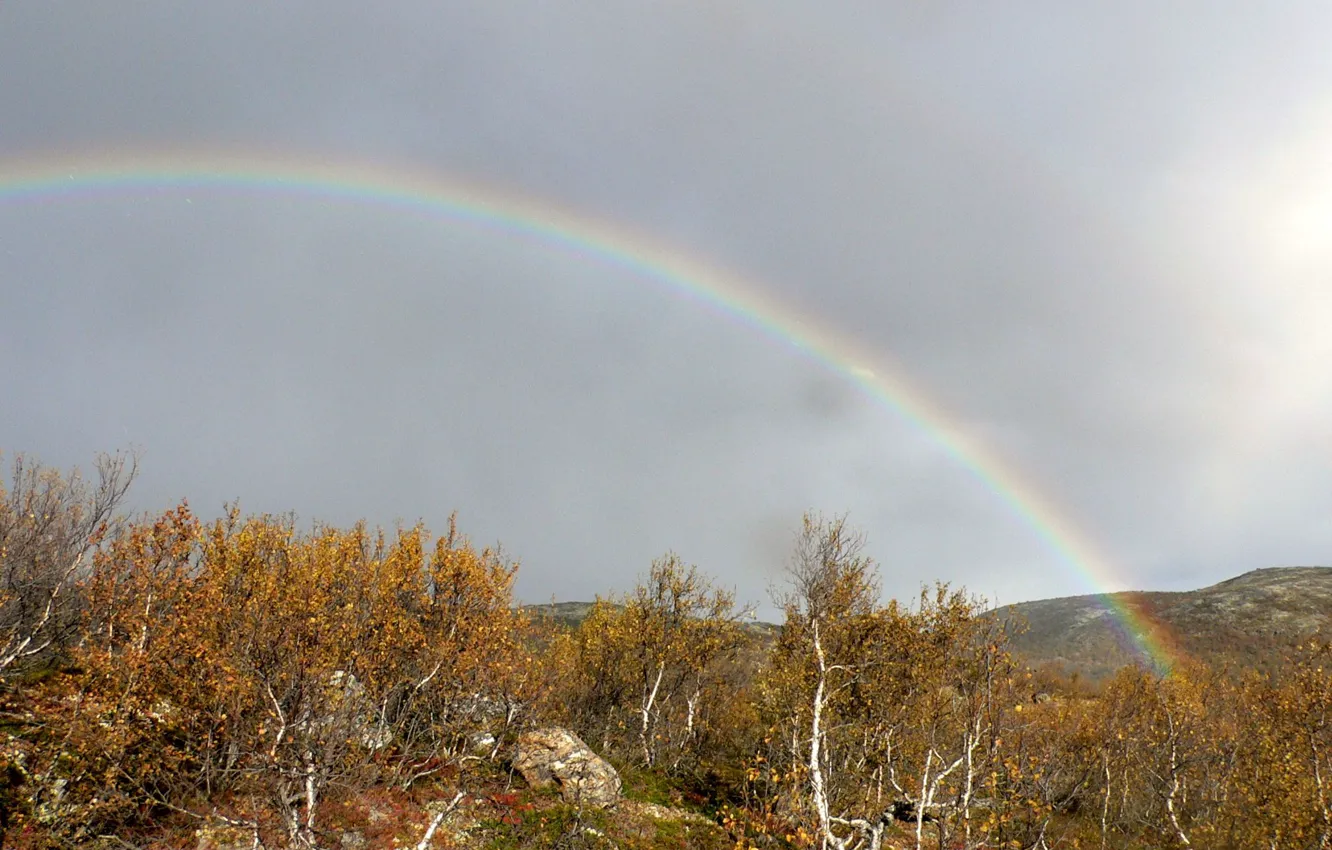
[{"x": 1091, "y": 239}]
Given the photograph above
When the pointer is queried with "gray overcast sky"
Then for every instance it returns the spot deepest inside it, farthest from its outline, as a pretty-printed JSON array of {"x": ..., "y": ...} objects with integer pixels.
[{"x": 1100, "y": 236}]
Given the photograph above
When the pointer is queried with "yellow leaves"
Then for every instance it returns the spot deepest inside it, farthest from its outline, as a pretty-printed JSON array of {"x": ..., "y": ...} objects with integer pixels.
[
  {"x": 651, "y": 663},
  {"x": 249, "y": 616}
]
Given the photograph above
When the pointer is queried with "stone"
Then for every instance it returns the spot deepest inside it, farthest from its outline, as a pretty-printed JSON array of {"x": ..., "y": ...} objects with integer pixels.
[
  {"x": 215, "y": 836},
  {"x": 349, "y": 710},
  {"x": 481, "y": 743},
  {"x": 558, "y": 756}
]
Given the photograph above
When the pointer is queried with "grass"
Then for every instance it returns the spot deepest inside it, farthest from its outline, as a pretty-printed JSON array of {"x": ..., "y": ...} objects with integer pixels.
[{"x": 649, "y": 786}]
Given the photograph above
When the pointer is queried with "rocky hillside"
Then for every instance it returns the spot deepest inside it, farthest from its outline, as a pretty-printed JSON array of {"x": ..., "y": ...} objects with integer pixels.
[
  {"x": 1246, "y": 619},
  {"x": 570, "y": 614}
]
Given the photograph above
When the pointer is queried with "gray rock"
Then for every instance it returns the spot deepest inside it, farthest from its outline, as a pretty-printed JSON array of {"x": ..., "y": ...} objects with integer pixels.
[
  {"x": 350, "y": 711},
  {"x": 481, "y": 743},
  {"x": 558, "y": 756},
  {"x": 216, "y": 836}
]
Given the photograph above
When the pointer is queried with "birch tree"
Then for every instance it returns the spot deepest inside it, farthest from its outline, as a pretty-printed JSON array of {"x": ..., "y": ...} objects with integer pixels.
[
  {"x": 895, "y": 716},
  {"x": 50, "y": 525},
  {"x": 648, "y": 670}
]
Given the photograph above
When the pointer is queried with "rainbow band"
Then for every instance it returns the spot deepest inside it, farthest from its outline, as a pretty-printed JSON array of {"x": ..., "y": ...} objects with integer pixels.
[{"x": 618, "y": 247}]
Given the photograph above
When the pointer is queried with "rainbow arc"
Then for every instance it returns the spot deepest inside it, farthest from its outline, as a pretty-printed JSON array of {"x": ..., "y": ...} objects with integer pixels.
[{"x": 470, "y": 204}]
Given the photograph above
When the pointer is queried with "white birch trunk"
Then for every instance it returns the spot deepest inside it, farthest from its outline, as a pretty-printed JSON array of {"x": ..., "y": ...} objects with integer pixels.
[{"x": 648, "y": 699}]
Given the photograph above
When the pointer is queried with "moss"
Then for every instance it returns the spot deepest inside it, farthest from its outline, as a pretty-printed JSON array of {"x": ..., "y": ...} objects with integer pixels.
[
  {"x": 560, "y": 825},
  {"x": 649, "y": 786}
]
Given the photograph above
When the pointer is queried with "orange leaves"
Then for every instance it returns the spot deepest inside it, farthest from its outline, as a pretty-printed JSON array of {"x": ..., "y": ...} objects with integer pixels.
[
  {"x": 651, "y": 673},
  {"x": 251, "y": 660},
  {"x": 286, "y": 659},
  {"x": 885, "y": 704}
]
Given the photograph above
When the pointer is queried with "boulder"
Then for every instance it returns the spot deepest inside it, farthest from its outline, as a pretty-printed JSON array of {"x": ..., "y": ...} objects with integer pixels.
[
  {"x": 352, "y": 840},
  {"x": 219, "y": 836},
  {"x": 482, "y": 743},
  {"x": 348, "y": 711},
  {"x": 558, "y": 756}
]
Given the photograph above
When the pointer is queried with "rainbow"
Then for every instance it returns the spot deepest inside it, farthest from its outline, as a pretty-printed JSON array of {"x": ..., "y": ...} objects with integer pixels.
[{"x": 487, "y": 207}]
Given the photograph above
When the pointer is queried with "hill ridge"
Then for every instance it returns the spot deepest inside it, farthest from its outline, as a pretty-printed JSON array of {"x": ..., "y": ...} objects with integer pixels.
[{"x": 1246, "y": 619}]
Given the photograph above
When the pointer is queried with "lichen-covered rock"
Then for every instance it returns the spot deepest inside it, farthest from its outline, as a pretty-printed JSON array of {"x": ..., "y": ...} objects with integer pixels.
[
  {"x": 353, "y": 840},
  {"x": 558, "y": 756},
  {"x": 352, "y": 709},
  {"x": 482, "y": 743},
  {"x": 216, "y": 836}
]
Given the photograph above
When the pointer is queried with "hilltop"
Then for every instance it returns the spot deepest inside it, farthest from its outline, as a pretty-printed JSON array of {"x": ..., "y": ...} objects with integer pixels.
[
  {"x": 570, "y": 614},
  {"x": 567, "y": 614},
  {"x": 1243, "y": 620}
]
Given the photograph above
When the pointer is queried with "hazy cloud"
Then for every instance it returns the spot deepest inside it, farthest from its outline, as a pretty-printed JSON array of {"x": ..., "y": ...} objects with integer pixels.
[{"x": 1096, "y": 237}]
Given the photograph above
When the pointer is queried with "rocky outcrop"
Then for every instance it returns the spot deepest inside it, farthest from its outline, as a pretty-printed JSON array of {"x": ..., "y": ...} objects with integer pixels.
[
  {"x": 558, "y": 756},
  {"x": 349, "y": 711},
  {"x": 220, "y": 836}
]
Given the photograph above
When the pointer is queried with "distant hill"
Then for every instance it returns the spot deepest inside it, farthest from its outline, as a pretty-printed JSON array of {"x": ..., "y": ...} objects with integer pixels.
[
  {"x": 571, "y": 614},
  {"x": 568, "y": 614},
  {"x": 1247, "y": 620},
  {"x": 1244, "y": 619}
]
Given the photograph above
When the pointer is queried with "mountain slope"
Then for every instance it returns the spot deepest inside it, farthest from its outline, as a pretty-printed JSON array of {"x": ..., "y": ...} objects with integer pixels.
[
  {"x": 1244, "y": 619},
  {"x": 1248, "y": 620}
]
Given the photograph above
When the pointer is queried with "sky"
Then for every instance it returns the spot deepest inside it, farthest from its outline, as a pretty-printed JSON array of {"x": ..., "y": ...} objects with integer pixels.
[{"x": 1093, "y": 238}]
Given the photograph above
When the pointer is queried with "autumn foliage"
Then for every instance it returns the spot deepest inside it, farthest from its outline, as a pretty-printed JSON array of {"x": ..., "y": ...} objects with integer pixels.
[
  {"x": 173, "y": 671},
  {"x": 652, "y": 676},
  {"x": 242, "y": 660}
]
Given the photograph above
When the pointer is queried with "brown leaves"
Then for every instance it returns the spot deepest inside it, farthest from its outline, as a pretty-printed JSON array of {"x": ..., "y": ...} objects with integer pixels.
[
  {"x": 247, "y": 657},
  {"x": 254, "y": 665},
  {"x": 647, "y": 675}
]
